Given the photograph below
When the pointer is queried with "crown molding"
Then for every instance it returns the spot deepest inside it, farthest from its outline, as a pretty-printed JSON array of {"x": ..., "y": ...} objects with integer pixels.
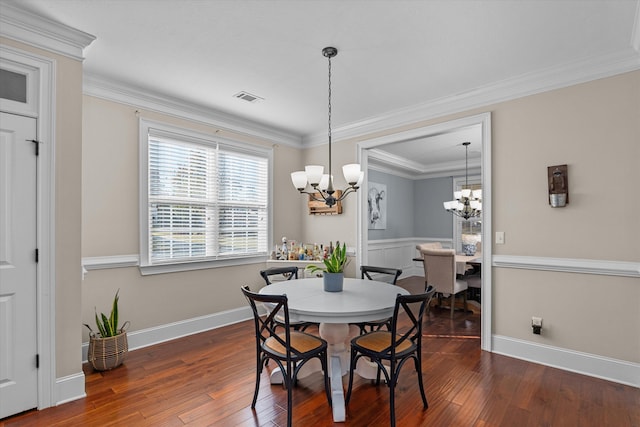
[
  {"x": 35, "y": 30},
  {"x": 395, "y": 161},
  {"x": 407, "y": 168},
  {"x": 532, "y": 83},
  {"x": 127, "y": 94}
]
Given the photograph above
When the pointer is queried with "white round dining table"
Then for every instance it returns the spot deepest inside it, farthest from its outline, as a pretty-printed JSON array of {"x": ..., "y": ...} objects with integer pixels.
[{"x": 360, "y": 300}]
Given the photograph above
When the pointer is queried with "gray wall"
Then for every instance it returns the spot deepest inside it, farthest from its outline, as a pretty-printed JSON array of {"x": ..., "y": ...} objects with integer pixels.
[
  {"x": 414, "y": 207},
  {"x": 431, "y": 220},
  {"x": 400, "y": 206}
]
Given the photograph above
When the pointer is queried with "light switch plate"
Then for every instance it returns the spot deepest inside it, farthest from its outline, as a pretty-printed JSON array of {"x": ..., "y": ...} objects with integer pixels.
[{"x": 499, "y": 237}]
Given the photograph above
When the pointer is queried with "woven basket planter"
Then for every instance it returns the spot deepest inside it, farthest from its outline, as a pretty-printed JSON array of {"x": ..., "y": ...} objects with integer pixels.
[{"x": 107, "y": 353}]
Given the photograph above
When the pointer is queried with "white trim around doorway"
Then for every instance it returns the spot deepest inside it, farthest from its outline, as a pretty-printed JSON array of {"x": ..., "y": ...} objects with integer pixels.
[
  {"x": 45, "y": 115},
  {"x": 483, "y": 119}
]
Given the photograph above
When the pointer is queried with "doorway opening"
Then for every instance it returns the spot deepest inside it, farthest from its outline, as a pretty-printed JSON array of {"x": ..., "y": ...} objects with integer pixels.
[{"x": 370, "y": 244}]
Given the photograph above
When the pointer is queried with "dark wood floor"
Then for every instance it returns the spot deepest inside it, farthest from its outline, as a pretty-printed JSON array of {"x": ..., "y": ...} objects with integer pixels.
[{"x": 207, "y": 380}]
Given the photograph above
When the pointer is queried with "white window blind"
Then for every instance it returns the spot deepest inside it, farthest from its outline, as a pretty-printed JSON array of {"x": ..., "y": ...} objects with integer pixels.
[{"x": 206, "y": 200}]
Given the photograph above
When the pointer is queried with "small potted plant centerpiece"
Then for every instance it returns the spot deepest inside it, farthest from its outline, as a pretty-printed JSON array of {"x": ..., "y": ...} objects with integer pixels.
[
  {"x": 108, "y": 347},
  {"x": 333, "y": 270}
]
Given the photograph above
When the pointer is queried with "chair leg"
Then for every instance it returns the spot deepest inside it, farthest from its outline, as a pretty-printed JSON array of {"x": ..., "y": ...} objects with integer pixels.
[
  {"x": 392, "y": 399},
  {"x": 289, "y": 380},
  {"x": 452, "y": 303},
  {"x": 353, "y": 364},
  {"x": 464, "y": 294},
  {"x": 325, "y": 370},
  {"x": 418, "y": 364},
  {"x": 258, "y": 372}
]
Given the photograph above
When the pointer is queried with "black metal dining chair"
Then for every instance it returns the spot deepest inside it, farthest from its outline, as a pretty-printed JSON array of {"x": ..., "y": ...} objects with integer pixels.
[
  {"x": 395, "y": 347},
  {"x": 288, "y": 273},
  {"x": 289, "y": 349},
  {"x": 381, "y": 274}
]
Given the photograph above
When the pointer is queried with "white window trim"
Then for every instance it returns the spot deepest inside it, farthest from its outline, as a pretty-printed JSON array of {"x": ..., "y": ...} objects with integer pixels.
[{"x": 147, "y": 268}]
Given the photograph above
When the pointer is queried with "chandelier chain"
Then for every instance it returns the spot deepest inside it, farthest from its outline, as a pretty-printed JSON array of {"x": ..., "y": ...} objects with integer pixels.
[
  {"x": 466, "y": 165},
  {"x": 329, "y": 119},
  {"x": 322, "y": 184}
]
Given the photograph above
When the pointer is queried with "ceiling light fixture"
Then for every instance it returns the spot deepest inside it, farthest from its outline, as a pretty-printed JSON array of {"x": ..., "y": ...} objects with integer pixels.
[
  {"x": 467, "y": 203},
  {"x": 314, "y": 175}
]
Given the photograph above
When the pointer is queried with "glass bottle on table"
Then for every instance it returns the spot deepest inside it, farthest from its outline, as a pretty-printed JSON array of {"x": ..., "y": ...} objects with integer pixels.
[{"x": 284, "y": 252}]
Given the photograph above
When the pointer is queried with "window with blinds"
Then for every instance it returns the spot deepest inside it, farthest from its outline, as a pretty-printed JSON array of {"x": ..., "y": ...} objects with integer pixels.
[{"x": 206, "y": 200}]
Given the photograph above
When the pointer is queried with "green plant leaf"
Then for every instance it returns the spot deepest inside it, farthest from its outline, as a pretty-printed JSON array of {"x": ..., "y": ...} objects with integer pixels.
[
  {"x": 113, "y": 319},
  {"x": 334, "y": 264},
  {"x": 107, "y": 325},
  {"x": 101, "y": 329}
]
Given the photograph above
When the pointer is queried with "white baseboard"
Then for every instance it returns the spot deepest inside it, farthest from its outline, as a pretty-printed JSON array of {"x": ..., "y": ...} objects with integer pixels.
[
  {"x": 618, "y": 371},
  {"x": 156, "y": 335},
  {"x": 70, "y": 388}
]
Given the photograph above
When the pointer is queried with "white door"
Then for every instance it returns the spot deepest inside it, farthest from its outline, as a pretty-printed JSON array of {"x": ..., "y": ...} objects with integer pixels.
[{"x": 18, "y": 339}]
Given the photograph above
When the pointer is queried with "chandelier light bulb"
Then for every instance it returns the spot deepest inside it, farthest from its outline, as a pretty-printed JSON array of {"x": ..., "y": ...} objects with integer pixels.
[
  {"x": 314, "y": 174},
  {"x": 324, "y": 182},
  {"x": 299, "y": 179}
]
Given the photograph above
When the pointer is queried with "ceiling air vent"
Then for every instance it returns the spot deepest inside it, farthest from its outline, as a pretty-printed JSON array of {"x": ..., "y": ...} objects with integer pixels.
[{"x": 246, "y": 96}]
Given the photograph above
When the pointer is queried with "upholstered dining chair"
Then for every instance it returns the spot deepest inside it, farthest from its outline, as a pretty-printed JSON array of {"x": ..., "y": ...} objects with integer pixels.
[
  {"x": 440, "y": 271},
  {"x": 430, "y": 245},
  {"x": 381, "y": 274},
  {"x": 289, "y": 349},
  {"x": 395, "y": 347},
  {"x": 289, "y": 273}
]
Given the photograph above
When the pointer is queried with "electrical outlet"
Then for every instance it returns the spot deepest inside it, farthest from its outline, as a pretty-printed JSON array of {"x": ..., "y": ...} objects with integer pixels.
[
  {"x": 499, "y": 237},
  {"x": 536, "y": 325}
]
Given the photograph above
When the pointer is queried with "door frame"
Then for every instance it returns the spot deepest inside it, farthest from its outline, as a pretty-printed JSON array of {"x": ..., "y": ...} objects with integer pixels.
[
  {"x": 362, "y": 235},
  {"x": 42, "y": 72}
]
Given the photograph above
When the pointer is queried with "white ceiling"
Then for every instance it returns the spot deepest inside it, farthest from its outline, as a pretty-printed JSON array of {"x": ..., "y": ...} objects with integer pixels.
[{"x": 393, "y": 56}]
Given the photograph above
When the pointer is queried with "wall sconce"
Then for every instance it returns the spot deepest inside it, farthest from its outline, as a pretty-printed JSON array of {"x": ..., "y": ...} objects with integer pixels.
[{"x": 558, "y": 186}]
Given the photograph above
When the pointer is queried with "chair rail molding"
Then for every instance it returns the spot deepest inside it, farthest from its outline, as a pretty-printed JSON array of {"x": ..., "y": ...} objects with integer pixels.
[
  {"x": 569, "y": 265},
  {"x": 112, "y": 261}
]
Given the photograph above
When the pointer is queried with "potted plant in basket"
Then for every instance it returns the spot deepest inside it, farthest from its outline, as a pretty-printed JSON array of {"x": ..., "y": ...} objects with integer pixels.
[
  {"x": 108, "y": 347},
  {"x": 333, "y": 270}
]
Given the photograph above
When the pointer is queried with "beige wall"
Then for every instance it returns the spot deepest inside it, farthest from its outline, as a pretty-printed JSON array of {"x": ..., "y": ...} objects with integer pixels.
[
  {"x": 110, "y": 168},
  {"x": 68, "y": 177},
  {"x": 594, "y": 128},
  {"x": 68, "y": 214}
]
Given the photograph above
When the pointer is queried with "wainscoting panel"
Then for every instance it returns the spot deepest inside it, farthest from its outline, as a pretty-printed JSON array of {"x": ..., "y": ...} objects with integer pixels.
[{"x": 399, "y": 253}]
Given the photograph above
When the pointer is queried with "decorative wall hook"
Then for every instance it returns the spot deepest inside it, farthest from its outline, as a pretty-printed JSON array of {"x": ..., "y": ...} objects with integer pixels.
[{"x": 558, "y": 186}]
